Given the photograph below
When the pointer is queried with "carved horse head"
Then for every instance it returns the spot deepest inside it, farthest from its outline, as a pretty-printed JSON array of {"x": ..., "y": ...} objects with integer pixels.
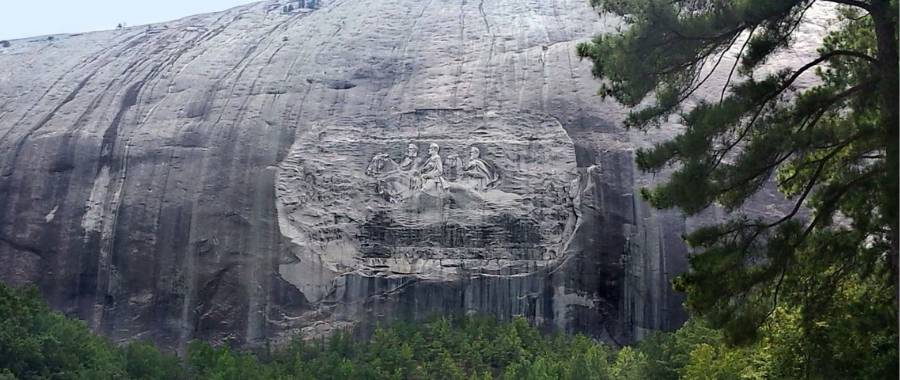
[{"x": 380, "y": 164}]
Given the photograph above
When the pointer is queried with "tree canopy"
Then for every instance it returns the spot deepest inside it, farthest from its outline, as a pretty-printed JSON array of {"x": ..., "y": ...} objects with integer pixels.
[
  {"x": 36, "y": 343},
  {"x": 831, "y": 148}
]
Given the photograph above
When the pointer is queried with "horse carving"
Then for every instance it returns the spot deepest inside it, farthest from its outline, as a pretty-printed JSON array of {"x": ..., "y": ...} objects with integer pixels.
[{"x": 391, "y": 183}]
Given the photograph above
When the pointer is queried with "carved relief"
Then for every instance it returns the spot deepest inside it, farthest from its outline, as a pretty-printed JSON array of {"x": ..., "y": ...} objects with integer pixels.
[
  {"x": 434, "y": 195},
  {"x": 480, "y": 173},
  {"x": 433, "y": 176},
  {"x": 430, "y": 178},
  {"x": 453, "y": 167}
]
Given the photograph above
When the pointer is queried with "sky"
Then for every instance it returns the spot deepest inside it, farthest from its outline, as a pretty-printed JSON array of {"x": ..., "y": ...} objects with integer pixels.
[{"x": 29, "y": 18}]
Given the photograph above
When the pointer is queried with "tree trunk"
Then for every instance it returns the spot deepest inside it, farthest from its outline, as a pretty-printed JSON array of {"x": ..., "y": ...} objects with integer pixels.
[{"x": 886, "y": 34}]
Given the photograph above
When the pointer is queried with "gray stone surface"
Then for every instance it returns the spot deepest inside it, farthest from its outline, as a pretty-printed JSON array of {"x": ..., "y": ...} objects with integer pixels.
[
  {"x": 352, "y": 200},
  {"x": 150, "y": 177}
]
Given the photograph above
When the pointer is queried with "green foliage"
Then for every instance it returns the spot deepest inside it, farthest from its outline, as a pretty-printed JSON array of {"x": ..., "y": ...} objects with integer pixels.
[
  {"x": 205, "y": 362},
  {"x": 471, "y": 348},
  {"x": 467, "y": 348},
  {"x": 144, "y": 362},
  {"x": 829, "y": 262},
  {"x": 35, "y": 343},
  {"x": 630, "y": 365}
]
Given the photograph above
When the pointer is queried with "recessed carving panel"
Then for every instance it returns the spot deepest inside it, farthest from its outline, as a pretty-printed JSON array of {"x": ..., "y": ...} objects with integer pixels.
[{"x": 431, "y": 194}]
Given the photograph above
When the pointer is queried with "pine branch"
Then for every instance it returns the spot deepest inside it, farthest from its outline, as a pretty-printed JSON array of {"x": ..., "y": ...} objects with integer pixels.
[
  {"x": 785, "y": 86},
  {"x": 737, "y": 60},
  {"x": 853, "y": 3},
  {"x": 851, "y": 53},
  {"x": 694, "y": 88},
  {"x": 836, "y": 197},
  {"x": 809, "y": 186},
  {"x": 784, "y": 38}
]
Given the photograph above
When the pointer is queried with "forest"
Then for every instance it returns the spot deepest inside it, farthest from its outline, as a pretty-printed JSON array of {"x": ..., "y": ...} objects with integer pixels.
[{"x": 37, "y": 343}]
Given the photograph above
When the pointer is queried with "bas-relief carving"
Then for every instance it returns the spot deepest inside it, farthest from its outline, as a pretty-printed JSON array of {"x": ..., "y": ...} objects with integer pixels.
[
  {"x": 482, "y": 174},
  {"x": 427, "y": 196},
  {"x": 466, "y": 183}
]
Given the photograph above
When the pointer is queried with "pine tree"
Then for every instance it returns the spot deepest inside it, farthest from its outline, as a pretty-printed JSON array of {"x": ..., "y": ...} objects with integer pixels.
[{"x": 831, "y": 149}]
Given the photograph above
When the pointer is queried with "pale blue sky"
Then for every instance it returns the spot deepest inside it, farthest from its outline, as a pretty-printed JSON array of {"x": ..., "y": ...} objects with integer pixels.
[{"x": 28, "y": 18}]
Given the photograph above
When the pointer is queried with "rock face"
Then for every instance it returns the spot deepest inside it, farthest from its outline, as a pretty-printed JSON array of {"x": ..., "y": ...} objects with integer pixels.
[{"x": 239, "y": 177}]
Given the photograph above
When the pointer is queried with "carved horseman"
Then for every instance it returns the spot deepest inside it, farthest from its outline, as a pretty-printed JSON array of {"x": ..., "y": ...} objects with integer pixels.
[
  {"x": 411, "y": 160},
  {"x": 483, "y": 174},
  {"x": 431, "y": 175}
]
